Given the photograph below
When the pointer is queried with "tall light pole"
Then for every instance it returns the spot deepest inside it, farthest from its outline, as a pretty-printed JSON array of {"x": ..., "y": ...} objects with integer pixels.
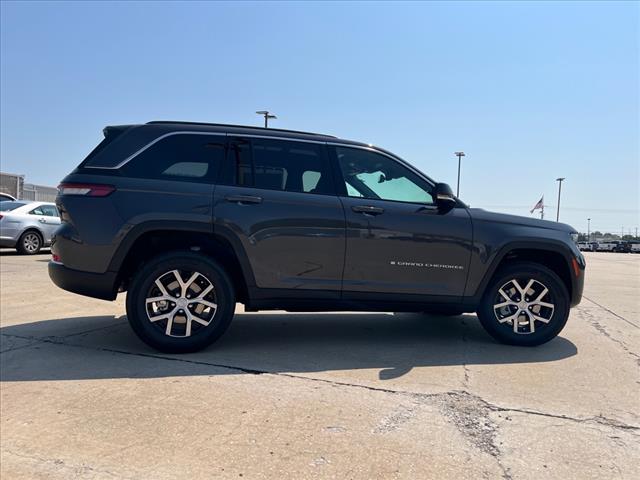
[
  {"x": 588, "y": 229},
  {"x": 459, "y": 155},
  {"x": 267, "y": 116},
  {"x": 559, "y": 180}
]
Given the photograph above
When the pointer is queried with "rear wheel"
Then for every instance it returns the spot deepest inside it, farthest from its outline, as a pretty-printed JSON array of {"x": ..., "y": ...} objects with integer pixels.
[
  {"x": 30, "y": 243},
  {"x": 180, "y": 302},
  {"x": 525, "y": 304}
]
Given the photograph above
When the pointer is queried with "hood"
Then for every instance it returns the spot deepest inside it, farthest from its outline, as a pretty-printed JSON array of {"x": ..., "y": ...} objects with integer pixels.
[{"x": 478, "y": 214}]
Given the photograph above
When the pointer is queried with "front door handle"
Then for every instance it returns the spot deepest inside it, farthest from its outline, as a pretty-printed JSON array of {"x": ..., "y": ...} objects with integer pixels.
[
  {"x": 243, "y": 199},
  {"x": 367, "y": 209}
]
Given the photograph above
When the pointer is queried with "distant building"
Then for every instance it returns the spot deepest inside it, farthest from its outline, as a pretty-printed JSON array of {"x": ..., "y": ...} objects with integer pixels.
[{"x": 14, "y": 185}]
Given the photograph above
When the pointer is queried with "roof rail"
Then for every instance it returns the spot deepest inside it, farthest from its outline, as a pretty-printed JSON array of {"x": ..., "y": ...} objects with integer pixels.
[{"x": 154, "y": 122}]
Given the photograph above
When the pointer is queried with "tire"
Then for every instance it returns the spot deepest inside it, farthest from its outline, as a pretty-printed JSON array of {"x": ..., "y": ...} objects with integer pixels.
[
  {"x": 29, "y": 243},
  {"x": 551, "y": 309},
  {"x": 182, "y": 322}
]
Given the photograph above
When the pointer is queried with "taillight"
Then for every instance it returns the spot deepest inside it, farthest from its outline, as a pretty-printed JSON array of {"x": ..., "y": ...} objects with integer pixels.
[
  {"x": 55, "y": 258},
  {"x": 85, "y": 189}
]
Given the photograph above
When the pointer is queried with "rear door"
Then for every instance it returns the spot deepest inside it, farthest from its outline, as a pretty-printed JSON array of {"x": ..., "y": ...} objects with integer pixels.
[
  {"x": 397, "y": 240},
  {"x": 46, "y": 223},
  {"x": 50, "y": 220},
  {"x": 277, "y": 198}
]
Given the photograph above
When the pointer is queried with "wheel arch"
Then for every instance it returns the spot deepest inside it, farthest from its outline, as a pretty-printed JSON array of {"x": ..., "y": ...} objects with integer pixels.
[
  {"x": 147, "y": 241},
  {"x": 33, "y": 228},
  {"x": 556, "y": 257}
]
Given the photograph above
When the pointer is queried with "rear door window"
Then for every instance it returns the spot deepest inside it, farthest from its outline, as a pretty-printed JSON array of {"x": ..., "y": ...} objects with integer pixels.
[
  {"x": 37, "y": 211},
  {"x": 50, "y": 210},
  {"x": 182, "y": 157},
  {"x": 281, "y": 165}
]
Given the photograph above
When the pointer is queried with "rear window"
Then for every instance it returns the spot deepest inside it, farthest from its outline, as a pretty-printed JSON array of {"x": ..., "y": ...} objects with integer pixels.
[
  {"x": 110, "y": 134},
  {"x": 9, "y": 205}
]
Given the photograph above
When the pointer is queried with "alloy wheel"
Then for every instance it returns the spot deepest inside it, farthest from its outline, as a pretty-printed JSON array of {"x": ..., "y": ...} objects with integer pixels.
[
  {"x": 519, "y": 308},
  {"x": 181, "y": 307},
  {"x": 31, "y": 242}
]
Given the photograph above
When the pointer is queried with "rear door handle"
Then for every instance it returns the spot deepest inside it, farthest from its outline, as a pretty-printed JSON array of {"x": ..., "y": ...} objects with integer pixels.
[
  {"x": 367, "y": 209},
  {"x": 42, "y": 220},
  {"x": 243, "y": 199}
]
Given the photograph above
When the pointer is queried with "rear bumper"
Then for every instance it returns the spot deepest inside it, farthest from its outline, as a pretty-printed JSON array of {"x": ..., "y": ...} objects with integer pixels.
[{"x": 96, "y": 285}]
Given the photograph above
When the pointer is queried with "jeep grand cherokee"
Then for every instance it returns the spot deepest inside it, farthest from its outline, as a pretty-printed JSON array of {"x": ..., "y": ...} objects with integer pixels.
[{"x": 190, "y": 218}]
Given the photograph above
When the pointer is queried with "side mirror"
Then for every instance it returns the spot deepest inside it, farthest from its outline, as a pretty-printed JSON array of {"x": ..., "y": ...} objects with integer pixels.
[{"x": 445, "y": 200}]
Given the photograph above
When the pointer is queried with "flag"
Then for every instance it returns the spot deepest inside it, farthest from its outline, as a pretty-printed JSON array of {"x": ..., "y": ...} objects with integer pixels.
[{"x": 538, "y": 205}]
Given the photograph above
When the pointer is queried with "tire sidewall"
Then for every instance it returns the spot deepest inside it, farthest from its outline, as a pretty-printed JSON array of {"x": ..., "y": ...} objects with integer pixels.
[
  {"x": 538, "y": 272},
  {"x": 142, "y": 281}
]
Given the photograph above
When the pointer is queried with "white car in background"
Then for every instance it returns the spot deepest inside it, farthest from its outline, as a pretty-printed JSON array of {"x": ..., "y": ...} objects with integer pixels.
[
  {"x": 606, "y": 246},
  {"x": 27, "y": 226},
  {"x": 5, "y": 196},
  {"x": 585, "y": 246},
  {"x": 635, "y": 248}
]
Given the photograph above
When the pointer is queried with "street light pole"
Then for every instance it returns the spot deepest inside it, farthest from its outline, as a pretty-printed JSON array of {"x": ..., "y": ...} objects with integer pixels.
[
  {"x": 588, "y": 229},
  {"x": 459, "y": 155},
  {"x": 267, "y": 116},
  {"x": 559, "y": 180}
]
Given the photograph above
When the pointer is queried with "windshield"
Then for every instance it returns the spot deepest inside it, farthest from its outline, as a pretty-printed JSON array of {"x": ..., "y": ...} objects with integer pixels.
[{"x": 9, "y": 205}]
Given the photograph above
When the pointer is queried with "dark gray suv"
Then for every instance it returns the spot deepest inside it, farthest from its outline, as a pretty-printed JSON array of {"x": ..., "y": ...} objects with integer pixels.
[{"x": 190, "y": 218}]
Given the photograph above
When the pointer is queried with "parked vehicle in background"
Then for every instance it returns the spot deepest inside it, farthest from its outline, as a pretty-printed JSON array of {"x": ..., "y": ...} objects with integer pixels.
[
  {"x": 27, "y": 226},
  {"x": 635, "y": 248},
  {"x": 585, "y": 246},
  {"x": 622, "y": 246},
  {"x": 190, "y": 218},
  {"x": 606, "y": 246},
  {"x": 5, "y": 196}
]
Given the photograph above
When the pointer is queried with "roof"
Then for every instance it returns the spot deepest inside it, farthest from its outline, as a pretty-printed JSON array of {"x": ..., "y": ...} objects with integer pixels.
[{"x": 240, "y": 128}]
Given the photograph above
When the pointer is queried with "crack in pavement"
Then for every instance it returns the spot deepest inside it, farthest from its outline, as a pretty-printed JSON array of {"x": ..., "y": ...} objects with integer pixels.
[
  {"x": 79, "y": 471},
  {"x": 591, "y": 320},
  {"x": 612, "y": 312},
  {"x": 466, "y": 411},
  {"x": 597, "y": 419}
]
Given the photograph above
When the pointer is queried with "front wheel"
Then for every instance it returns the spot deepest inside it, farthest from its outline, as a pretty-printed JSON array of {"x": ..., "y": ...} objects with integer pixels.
[
  {"x": 525, "y": 304},
  {"x": 180, "y": 302}
]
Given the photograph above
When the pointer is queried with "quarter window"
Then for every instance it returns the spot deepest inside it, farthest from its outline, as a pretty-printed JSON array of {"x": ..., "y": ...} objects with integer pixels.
[
  {"x": 182, "y": 157},
  {"x": 372, "y": 175}
]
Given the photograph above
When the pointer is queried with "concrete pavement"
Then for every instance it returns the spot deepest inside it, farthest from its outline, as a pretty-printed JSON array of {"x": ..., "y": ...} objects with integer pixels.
[{"x": 331, "y": 395}]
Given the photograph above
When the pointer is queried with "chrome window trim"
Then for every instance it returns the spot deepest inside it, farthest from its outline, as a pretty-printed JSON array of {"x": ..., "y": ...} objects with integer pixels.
[
  {"x": 153, "y": 142},
  {"x": 266, "y": 137}
]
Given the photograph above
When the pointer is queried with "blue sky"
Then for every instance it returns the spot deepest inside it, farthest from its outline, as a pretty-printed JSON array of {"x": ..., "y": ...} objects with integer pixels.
[{"x": 530, "y": 91}]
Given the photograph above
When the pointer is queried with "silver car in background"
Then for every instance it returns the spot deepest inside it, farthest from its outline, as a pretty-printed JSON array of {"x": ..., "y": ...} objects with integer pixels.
[{"x": 27, "y": 226}]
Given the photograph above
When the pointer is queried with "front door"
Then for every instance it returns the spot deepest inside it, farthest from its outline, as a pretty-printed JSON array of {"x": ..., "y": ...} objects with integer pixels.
[
  {"x": 397, "y": 240},
  {"x": 277, "y": 197}
]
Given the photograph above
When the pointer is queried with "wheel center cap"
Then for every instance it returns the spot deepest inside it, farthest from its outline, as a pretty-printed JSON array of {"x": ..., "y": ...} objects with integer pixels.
[
  {"x": 522, "y": 305},
  {"x": 182, "y": 302}
]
